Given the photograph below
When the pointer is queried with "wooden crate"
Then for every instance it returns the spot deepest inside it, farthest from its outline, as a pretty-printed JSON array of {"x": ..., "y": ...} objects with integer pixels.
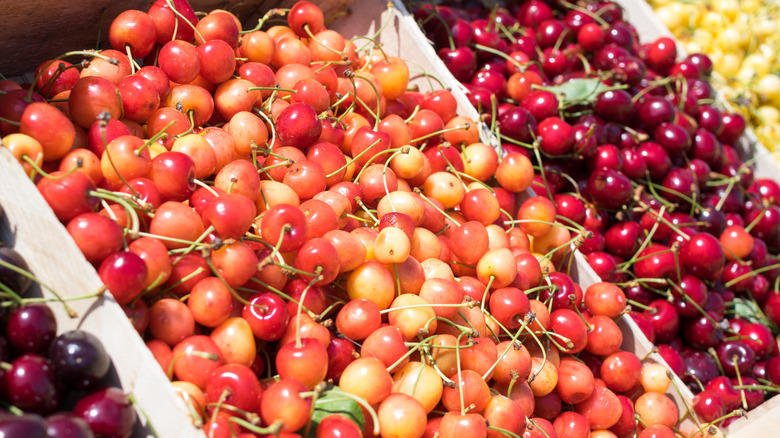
[{"x": 31, "y": 228}]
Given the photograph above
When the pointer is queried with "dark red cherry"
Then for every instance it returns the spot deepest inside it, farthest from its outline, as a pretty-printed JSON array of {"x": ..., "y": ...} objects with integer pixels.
[
  {"x": 730, "y": 396},
  {"x": 655, "y": 110},
  {"x": 26, "y": 425},
  {"x": 691, "y": 296},
  {"x": 614, "y": 105},
  {"x": 656, "y": 158},
  {"x": 702, "y": 332},
  {"x": 665, "y": 320},
  {"x": 610, "y": 188},
  {"x": 736, "y": 355},
  {"x": 67, "y": 425},
  {"x": 701, "y": 366},
  {"x": 31, "y": 328},
  {"x": 518, "y": 124},
  {"x": 79, "y": 359},
  {"x": 673, "y": 358},
  {"x": 108, "y": 412},
  {"x": 709, "y": 405},
  {"x": 702, "y": 256},
  {"x": 30, "y": 384}
]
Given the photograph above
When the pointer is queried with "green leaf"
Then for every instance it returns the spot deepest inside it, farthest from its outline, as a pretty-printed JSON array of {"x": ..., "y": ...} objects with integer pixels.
[
  {"x": 332, "y": 402},
  {"x": 747, "y": 310},
  {"x": 578, "y": 91}
]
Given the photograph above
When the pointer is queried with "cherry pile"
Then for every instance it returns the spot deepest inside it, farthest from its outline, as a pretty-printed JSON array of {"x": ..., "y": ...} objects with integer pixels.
[
  {"x": 52, "y": 385},
  {"x": 630, "y": 144}
]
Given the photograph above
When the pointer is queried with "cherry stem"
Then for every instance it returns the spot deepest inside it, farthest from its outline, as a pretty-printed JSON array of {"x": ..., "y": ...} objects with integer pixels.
[
  {"x": 37, "y": 167},
  {"x": 366, "y": 209},
  {"x": 10, "y": 122},
  {"x": 757, "y": 219},
  {"x": 300, "y": 310},
  {"x": 751, "y": 274},
  {"x": 726, "y": 193},
  {"x": 376, "y": 92},
  {"x": 504, "y": 431},
  {"x": 202, "y": 354},
  {"x": 132, "y": 216},
  {"x": 527, "y": 319},
  {"x": 485, "y": 294},
  {"x": 180, "y": 15},
  {"x": 464, "y": 126},
  {"x": 520, "y": 67},
  {"x": 530, "y": 420},
  {"x": 11, "y": 408},
  {"x": 739, "y": 381},
  {"x": 633, "y": 303},
  {"x": 71, "y": 313},
  {"x": 269, "y": 122},
  {"x": 155, "y": 137},
  {"x": 685, "y": 403},
  {"x": 232, "y": 290},
  {"x": 192, "y": 274},
  {"x": 436, "y": 207},
  {"x": 88, "y": 53},
  {"x": 578, "y": 229},
  {"x": 272, "y": 430},
  {"x": 268, "y": 15},
  {"x": 460, "y": 374},
  {"x": 335, "y": 172},
  {"x": 16, "y": 298},
  {"x": 275, "y": 88},
  {"x": 542, "y": 172}
]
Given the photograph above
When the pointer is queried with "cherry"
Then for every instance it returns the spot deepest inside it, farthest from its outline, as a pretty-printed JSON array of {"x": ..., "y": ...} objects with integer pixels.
[
  {"x": 736, "y": 355},
  {"x": 700, "y": 365},
  {"x": 66, "y": 424},
  {"x": 124, "y": 273},
  {"x": 108, "y": 412},
  {"x": 282, "y": 401},
  {"x": 68, "y": 195},
  {"x": 722, "y": 386},
  {"x": 164, "y": 19},
  {"x": 509, "y": 306},
  {"x": 179, "y": 60},
  {"x": 622, "y": 239},
  {"x": 26, "y": 425},
  {"x": 31, "y": 328},
  {"x": 656, "y": 159},
  {"x": 754, "y": 397},
  {"x": 519, "y": 124},
  {"x": 691, "y": 297},
  {"x": 79, "y": 360},
  {"x": 570, "y": 325},
  {"x": 665, "y": 320},
  {"x": 541, "y": 104},
  {"x": 338, "y": 425},
  {"x": 614, "y": 105},
  {"x": 758, "y": 338},
  {"x": 702, "y": 256},
  {"x": 238, "y": 382},
  {"x": 30, "y": 384},
  {"x": 610, "y": 188}
]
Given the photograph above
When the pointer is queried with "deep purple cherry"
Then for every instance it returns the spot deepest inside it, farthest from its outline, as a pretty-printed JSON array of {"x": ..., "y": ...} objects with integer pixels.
[
  {"x": 79, "y": 359},
  {"x": 31, "y": 328}
]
